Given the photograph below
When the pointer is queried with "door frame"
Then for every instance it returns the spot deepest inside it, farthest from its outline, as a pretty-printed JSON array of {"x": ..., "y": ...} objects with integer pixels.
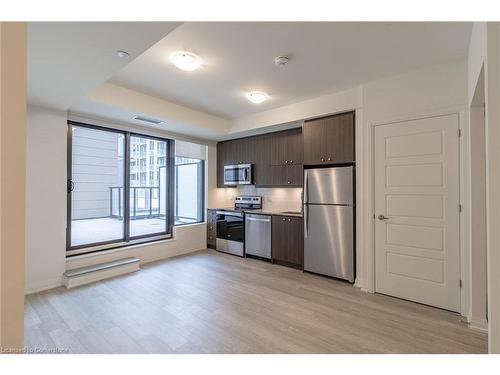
[{"x": 464, "y": 194}]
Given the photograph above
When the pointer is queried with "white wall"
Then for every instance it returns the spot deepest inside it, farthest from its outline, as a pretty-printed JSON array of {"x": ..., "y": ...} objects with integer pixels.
[
  {"x": 437, "y": 90},
  {"x": 476, "y": 57},
  {"x": 485, "y": 54},
  {"x": 46, "y": 205},
  {"x": 217, "y": 197},
  {"x": 492, "y": 98},
  {"x": 478, "y": 219},
  {"x": 45, "y": 198}
]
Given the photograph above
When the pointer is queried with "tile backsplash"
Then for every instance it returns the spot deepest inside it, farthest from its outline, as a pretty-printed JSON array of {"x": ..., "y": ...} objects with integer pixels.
[{"x": 279, "y": 199}]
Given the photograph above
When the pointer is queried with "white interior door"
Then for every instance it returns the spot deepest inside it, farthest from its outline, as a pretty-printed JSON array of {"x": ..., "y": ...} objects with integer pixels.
[{"x": 417, "y": 252}]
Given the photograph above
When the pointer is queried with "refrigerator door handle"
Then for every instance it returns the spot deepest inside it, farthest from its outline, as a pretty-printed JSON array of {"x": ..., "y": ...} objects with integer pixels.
[
  {"x": 306, "y": 183},
  {"x": 306, "y": 220}
]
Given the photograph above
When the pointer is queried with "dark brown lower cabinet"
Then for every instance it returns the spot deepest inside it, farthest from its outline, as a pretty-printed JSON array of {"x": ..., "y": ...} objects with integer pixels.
[
  {"x": 211, "y": 228},
  {"x": 288, "y": 241}
]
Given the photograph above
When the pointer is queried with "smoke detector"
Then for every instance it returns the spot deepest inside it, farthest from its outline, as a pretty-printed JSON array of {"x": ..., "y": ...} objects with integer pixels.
[{"x": 281, "y": 60}]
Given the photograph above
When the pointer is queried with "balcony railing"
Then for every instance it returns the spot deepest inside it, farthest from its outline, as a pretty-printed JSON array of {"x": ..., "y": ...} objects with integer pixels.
[{"x": 144, "y": 202}]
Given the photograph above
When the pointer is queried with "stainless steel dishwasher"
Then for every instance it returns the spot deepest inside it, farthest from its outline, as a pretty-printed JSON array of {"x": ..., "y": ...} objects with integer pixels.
[{"x": 258, "y": 235}]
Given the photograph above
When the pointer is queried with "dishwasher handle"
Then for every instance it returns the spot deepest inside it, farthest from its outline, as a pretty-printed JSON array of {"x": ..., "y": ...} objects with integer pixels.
[{"x": 252, "y": 218}]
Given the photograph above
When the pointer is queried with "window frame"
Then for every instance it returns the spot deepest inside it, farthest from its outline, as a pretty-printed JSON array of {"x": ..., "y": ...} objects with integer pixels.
[
  {"x": 169, "y": 219},
  {"x": 126, "y": 239},
  {"x": 201, "y": 191}
]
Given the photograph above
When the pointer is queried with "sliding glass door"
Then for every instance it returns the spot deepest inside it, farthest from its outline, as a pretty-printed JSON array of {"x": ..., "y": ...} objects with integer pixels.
[
  {"x": 148, "y": 186},
  {"x": 97, "y": 179},
  {"x": 120, "y": 188}
]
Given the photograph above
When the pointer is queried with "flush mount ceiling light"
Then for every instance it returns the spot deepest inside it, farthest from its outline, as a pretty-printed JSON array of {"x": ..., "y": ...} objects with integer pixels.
[
  {"x": 185, "y": 60},
  {"x": 257, "y": 97},
  {"x": 281, "y": 60}
]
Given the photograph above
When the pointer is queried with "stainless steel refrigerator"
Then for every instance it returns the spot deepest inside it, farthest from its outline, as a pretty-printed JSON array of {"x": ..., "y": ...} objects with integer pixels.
[{"x": 329, "y": 221}]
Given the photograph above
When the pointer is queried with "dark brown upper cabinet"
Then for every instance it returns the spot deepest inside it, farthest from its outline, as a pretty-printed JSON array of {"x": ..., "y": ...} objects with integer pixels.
[
  {"x": 329, "y": 140},
  {"x": 287, "y": 147},
  {"x": 276, "y": 158}
]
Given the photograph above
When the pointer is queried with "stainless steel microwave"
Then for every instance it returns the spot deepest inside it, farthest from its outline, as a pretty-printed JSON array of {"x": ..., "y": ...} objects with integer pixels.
[{"x": 240, "y": 174}]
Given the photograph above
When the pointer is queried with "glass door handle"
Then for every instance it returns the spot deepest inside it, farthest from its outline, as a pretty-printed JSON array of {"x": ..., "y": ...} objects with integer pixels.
[{"x": 70, "y": 186}]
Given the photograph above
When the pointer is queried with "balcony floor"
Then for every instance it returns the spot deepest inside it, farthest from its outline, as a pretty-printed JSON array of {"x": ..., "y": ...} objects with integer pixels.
[{"x": 86, "y": 231}]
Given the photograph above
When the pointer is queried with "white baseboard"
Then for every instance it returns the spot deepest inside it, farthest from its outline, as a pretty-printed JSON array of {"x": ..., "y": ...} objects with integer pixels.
[
  {"x": 40, "y": 286},
  {"x": 361, "y": 285},
  {"x": 478, "y": 324}
]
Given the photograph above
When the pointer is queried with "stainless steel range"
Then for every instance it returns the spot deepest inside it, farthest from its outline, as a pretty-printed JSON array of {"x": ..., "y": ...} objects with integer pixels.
[{"x": 231, "y": 224}]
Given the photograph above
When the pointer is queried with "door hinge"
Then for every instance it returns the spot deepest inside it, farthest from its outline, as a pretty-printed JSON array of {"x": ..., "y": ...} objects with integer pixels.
[
  {"x": 459, "y": 207},
  {"x": 459, "y": 133},
  {"x": 460, "y": 283}
]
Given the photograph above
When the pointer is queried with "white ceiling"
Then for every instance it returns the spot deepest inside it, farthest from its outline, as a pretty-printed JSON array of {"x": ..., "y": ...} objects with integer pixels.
[
  {"x": 325, "y": 57},
  {"x": 67, "y": 60}
]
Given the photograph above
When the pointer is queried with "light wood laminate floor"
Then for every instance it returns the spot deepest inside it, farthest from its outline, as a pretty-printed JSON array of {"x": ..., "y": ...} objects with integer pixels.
[{"x": 207, "y": 302}]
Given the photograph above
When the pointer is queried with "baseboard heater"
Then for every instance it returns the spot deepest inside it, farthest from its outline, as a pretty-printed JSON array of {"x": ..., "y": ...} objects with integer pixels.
[{"x": 85, "y": 275}]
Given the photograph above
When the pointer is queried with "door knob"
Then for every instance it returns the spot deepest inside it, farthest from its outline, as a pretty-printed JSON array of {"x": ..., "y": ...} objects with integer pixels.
[{"x": 382, "y": 217}]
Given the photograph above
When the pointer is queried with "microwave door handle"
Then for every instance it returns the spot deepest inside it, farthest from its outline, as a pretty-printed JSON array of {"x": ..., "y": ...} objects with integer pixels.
[{"x": 246, "y": 174}]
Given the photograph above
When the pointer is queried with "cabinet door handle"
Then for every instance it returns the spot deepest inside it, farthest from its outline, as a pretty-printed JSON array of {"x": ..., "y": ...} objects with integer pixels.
[
  {"x": 329, "y": 159},
  {"x": 322, "y": 159},
  {"x": 284, "y": 219},
  {"x": 289, "y": 220},
  {"x": 288, "y": 182}
]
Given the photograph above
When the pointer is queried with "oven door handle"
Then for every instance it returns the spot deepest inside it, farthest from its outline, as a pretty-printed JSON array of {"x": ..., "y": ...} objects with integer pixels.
[{"x": 228, "y": 213}]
